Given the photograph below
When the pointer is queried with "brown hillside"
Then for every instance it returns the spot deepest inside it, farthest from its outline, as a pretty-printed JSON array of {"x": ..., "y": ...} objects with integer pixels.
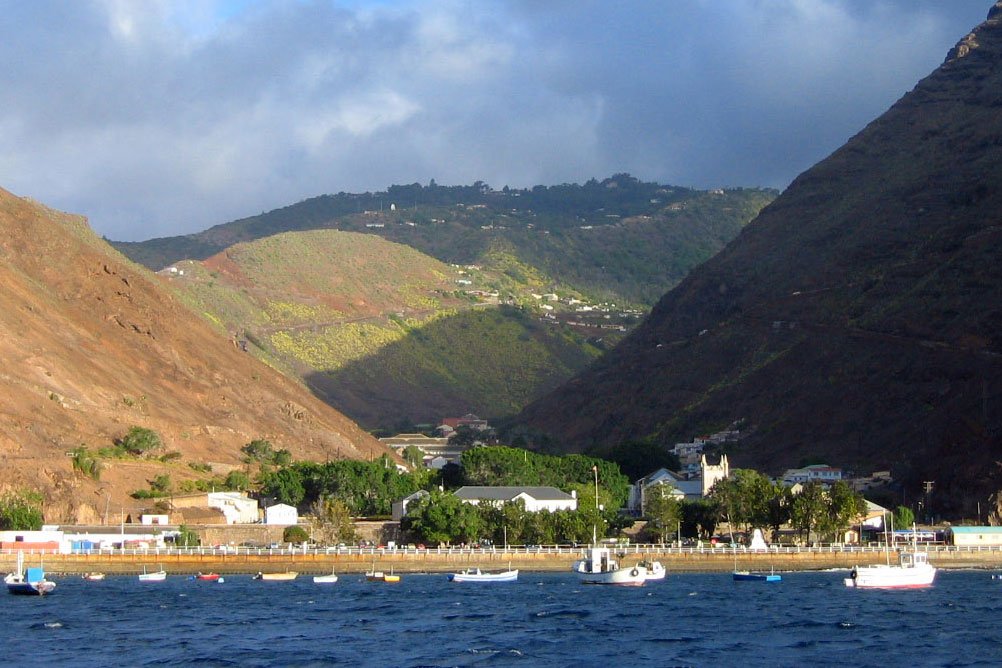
[
  {"x": 857, "y": 320},
  {"x": 91, "y": 345}
]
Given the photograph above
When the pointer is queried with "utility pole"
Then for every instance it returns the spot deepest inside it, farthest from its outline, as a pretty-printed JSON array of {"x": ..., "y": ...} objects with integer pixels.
[{"x": 927, "y": 487}]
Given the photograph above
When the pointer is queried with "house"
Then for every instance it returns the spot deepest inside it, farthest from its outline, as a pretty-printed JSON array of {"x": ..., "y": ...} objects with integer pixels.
[
  {"x": 975, "y": 535},
  {"x": 816, "y": 472},
  {"x": 48, "y": 539},
  {"x": 149, "y": 519},
  {"x": 236, "y": 507},
  {"x": 535, "y": 498},
  {"x": 281, "y": 513},
  {"x": 469, "y": 420},
  {"x": 399, "y": 508}
]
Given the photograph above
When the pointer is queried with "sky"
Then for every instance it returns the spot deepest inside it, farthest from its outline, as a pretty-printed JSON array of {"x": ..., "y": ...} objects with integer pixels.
[{"x": 162, "y": 117}]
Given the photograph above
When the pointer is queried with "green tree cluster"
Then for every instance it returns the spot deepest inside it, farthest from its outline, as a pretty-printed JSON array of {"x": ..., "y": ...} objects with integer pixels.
[
  {"x": 21, "y": 511},
  {"x": 140, "y": 441}
]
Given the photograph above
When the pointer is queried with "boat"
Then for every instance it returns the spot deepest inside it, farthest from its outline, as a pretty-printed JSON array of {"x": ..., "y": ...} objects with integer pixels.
[
  {"x": 379, "y": 576},
  {"x": 209, "y": 577},
  {"x": 155, "y": 576},
  {"x": 655, "y": 570},
  {"x": 598, "y": 567},
  {"x": 93, "y": 577},
  {"x": 276, "y": 577},
  {"x": 326, "y": 579},
  {"x": 31, "y": 582},
  {"x": 476, "y": 575},
  {"x": 750, "y": 576},
  {"x": 912, "y": 571}
]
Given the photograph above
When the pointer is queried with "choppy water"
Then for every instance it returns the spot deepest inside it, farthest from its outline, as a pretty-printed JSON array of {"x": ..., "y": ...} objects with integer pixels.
[{"x": 808, "y": 619}]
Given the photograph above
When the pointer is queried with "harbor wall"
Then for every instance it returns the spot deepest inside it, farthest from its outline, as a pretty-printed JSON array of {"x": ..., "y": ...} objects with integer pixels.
[{"x": 434, "y": 560}]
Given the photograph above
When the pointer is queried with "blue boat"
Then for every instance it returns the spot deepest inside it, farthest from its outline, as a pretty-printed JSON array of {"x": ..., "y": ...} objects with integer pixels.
[{"x": 32, "y": 583}]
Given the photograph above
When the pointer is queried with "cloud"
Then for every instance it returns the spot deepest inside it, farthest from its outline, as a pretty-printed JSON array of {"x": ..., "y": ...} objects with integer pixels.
[{"x": 157, "y": 118}]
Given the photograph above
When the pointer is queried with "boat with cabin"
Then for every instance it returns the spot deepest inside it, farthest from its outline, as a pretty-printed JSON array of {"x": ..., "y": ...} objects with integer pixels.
[
  {"x": 31, "y": 582},
  {"x": 598, "y": 566},
  {"x": 912, "y": 571},
  {"x": 655, "y": 570},
  {"x": 476, "y": 575}
]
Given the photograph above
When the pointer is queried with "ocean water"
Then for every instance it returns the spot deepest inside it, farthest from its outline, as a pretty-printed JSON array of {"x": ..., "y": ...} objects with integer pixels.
[{"x": 544, "y": 619}]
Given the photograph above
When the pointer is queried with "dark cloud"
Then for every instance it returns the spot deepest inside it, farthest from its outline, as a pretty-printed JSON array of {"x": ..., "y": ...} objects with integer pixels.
[{"x": 160, "y": 118}]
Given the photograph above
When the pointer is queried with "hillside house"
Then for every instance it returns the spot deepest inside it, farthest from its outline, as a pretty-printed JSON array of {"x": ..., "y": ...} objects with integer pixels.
[
  {"x": 281, "y": 514},
  {"x": 534, "y": 498},
  {"x": 822, "y": 473}
]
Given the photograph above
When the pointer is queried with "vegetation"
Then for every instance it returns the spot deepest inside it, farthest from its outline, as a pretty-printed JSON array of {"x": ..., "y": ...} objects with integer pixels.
[
  {"x": 186, "y": 537},
  {"x": 664, "y": 514},
  {"x": 330, "y": 522},
  {"x": 86, "y": 462},
  {"x": 904, "y": 517},
  {"x": 295, "y": 534},
  {"x": 21, "y": 511},
  {"x": 140, "y": 441}
]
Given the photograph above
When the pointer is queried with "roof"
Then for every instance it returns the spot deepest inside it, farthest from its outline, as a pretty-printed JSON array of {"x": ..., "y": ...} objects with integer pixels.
[
  {"x": 973, "y": 530},
  {"x": 509, "y": 493}
]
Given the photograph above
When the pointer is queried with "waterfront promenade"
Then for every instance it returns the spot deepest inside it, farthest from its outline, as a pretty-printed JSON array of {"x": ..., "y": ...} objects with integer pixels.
[{"x": 436, "y": 560}]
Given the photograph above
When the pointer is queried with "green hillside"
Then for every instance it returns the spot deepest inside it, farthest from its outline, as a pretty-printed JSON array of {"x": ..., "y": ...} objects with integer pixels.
[
  {"x": 382, "y": 331},
  {"x": 619, "y": 240}
]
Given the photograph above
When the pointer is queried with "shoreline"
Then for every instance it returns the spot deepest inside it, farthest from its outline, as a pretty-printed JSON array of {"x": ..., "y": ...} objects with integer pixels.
[{"x": 433, "y": 561}]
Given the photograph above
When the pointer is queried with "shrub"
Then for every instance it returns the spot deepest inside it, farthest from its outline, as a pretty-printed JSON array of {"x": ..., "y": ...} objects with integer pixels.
[
  {"x": 140, "y": 440},
  {"x": 295, "y": 534}
]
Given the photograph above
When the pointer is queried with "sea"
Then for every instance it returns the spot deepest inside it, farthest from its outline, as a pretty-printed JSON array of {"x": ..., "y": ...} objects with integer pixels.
[{"x": 543, "y": 619}]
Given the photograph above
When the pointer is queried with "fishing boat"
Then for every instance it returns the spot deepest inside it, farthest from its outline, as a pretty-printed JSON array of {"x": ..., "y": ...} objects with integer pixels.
[
  {"x": 912, "y": 571},
  {"x": 655, "y": 570},
  {"x": 597, "y": 566},
  {"x": 476, "y": 575},
  {"x": 326, "y": 579},
  {"x": 31, "y": 582},
  {"x": 155, "y": 576},
  {"x": 276, "y": 577},
  {"x": 93, "y": 577},
  {"x": 208, "y": 577}
]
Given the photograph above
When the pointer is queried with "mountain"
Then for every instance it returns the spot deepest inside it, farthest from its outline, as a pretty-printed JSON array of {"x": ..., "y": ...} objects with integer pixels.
[
  {"x": 381, "y": 331},
  {"x": 620, "y": 240},
  {"x": 93, "y": 345},
  {"x": 856, "y": 320}
]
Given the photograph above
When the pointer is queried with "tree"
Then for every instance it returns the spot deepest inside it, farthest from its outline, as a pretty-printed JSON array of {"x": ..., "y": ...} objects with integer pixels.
[
  {"x": 21, "y": 511},
  {"x": 140, "y": 440},
  {"x": 286, "y": 485},
  {"x": 809, "y": 508},
  {"x": 186, "y": 537},
  {"x": 258, "y": 450},
  {"x": 330, "y": 522},
  {"x": 413, "y": 456},
  {"x": 86, "y": 463},
  {"x": 237, "y": 480},
  {"x": 295, "y": 534},
  {"x": 161, "y": 484},
  {"x": 845, "y": 506},
  {"x": 664, "y": 512},
  {"x": 903, "y": 517},
  {"x": 442, "y": 518}
]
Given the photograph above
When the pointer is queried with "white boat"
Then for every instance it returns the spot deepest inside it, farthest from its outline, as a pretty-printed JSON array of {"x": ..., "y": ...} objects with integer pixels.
[
  {"x": 912, "y": 571},
  {"x": 598, "y": 567},
  {"x": 655, "y": 570},
  {"x": 155, "y": 576},
  {"x": 93, "y": 577},
  {"x": 326, "y": 579},
  {"x": 476, "y": 575},
  {"x": 276, "y": 577},
  {"x": 31, "y": 582}
]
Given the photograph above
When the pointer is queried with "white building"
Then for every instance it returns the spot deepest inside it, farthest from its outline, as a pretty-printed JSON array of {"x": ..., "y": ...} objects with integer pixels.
[
  {"x": 281, "y": 513},
  {"x": 399, "y": 508},
  {"x": 816, "y": 472},
  {"x": 535, "y": 498},
  {"x": 687, "y": 489},
  {"x": 236, "y": 507}
]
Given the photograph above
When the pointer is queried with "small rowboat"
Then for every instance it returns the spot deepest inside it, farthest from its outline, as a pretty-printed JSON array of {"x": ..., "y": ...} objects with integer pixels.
[
  {"x": 326, "y": 579},
  {"x": 210, "y": 577},
  {"x": 93, "y": 577},
  {"x": 476, "y": 575},
  {"x": 155, "y": 576}
]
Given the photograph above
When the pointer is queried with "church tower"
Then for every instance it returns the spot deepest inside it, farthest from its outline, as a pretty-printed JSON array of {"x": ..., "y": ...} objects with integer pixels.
[{"x": 711, "y": 473}]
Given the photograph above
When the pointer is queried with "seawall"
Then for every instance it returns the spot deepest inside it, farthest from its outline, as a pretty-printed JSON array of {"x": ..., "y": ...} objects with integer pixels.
[{"x": 347, "y": 560}]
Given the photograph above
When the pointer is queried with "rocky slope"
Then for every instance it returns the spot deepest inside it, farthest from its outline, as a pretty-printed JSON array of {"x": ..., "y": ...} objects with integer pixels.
[
  {"x": 91, "y": 345},
  {"x": 857, "y": 320}
]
